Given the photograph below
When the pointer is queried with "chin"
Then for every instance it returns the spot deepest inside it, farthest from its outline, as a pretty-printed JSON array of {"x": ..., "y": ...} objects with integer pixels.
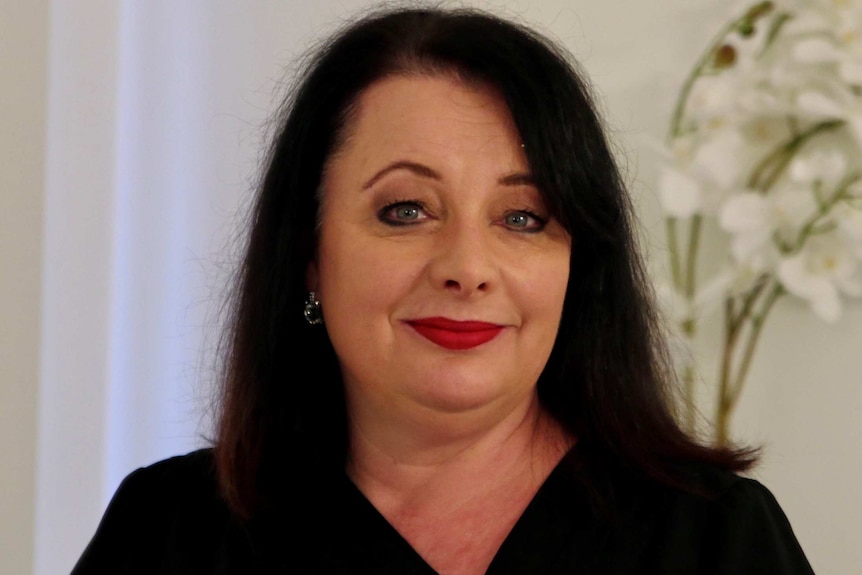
[{"x": 456, "y": 396}]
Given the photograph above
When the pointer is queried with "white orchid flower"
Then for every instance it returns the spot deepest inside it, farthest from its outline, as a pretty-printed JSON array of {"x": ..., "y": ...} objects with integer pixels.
[
  {"x": 714, "y": 100},
  {"x": 700, "y": 176},
  {"x": 719, "y": 159},
  {"x": 807, "y": 20},
  {"x": 827, "y": 51},
  {"x": 746, "y": 217},
  {"x": 765, "y": 131},
  {"x": 740, "y": 87},
  {"x": 842, "y": 105},
  {"x": 748, "y": 89},
  {"x": 820, "y": 273},
  {"x": 708, "y": 299},
  {"x": 819, "y": 165},
  {"x": 831, "y": 33},
  {"x": 766, "y": 143},
  {"x": 849, "y": 34},
  {"x": 680, "y": 194},
  {"x": 754, "y": 220},
  {"x": 817, "y": 50},
  {"x": 849, "y": 221}
]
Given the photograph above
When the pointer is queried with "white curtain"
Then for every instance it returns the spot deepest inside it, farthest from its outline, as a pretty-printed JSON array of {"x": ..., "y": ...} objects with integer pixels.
[{"x": 156, "y": 118}]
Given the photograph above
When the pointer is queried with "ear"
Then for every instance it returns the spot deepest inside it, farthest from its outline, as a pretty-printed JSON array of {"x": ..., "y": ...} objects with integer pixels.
[{"x": 311, "y": 276}]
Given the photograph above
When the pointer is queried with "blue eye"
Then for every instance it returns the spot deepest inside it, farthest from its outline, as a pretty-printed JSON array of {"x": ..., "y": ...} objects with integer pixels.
[
  {"x": 524, "y": 221},
  {"x": 402, "y": 213},
  {"x": 406, "y": 212}
]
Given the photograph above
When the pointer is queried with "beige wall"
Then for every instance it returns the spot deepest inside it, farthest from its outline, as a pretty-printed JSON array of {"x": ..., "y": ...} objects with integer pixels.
[{"x": 23, "y": 71}]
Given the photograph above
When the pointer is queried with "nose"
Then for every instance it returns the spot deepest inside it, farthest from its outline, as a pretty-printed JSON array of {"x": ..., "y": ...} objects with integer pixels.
[{"x": 464, "y": 262}]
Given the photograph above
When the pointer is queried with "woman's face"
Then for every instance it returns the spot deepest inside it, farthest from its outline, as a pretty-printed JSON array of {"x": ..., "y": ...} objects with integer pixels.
[{"x": 440, "y": 273}]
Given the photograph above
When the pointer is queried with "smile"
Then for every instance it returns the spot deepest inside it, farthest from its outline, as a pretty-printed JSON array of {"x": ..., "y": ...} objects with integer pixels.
[{"x": 453, "y": 334}]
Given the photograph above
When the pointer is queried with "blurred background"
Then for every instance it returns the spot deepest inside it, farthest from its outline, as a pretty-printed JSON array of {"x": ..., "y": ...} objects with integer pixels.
[{"x": 130, "y": 138}]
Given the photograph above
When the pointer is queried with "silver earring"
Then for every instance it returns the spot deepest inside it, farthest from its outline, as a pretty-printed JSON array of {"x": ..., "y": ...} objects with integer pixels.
[{"x": 312, "y": 312}]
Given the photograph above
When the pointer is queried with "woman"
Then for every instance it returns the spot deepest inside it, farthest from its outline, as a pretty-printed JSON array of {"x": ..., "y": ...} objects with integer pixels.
[{"x": 444, "y": 356}]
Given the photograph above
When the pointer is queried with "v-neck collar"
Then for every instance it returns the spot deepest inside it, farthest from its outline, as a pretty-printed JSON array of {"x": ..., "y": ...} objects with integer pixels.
[
  {"x": 325, "y": 524},
  {"x": 539, "y": 536}
]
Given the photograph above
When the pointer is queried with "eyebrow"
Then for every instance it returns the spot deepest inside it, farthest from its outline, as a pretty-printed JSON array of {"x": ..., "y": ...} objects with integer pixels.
[{"x": 515, "y": 179}]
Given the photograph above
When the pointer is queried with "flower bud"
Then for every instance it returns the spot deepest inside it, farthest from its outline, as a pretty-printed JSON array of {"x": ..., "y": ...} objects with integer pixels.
[
  {"x": 745, "y": 28},
  {"x": 724, "y": 57},
  {"x": 746, "y": 25},
  {"x": 759, "y": 10}
]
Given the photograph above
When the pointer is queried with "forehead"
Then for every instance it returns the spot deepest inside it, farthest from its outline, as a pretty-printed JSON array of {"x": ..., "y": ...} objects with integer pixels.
[
  {"x": 414, "y": 111},
  {"x": 435, "y": 90}
]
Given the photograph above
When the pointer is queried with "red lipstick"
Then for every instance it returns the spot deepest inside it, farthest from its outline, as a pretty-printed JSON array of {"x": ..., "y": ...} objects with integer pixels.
[{"x": 453, "y": 334}]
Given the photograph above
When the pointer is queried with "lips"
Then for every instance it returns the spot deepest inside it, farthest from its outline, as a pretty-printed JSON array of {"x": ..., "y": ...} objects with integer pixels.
[{"x": 453, "y": 334}]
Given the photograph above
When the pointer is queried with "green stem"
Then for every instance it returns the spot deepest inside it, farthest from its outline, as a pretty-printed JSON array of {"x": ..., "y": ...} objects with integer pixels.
[
  {"x": 687, "y": 286},
  {"x": 693, "y": 249},
  {"x": 770, "y": 168},
  {"x": 684, "y": 276},
  {"x": 756, "y": 11},
  {"x": 748, "y": 302},
  {"x": 699, "y": 67},
  {"x": 730, "y": 338},
  {"x": 807, "y": 229},
  {"x": 732, "y": 377},
  {"x": 757, "y": 323},
  {"x": 673, "y": 247},
  {"x": 734, "y": 374}
]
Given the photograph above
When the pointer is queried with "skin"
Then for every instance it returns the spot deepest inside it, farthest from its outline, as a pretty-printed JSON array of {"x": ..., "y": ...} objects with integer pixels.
[{"x": 429, "y": 211}]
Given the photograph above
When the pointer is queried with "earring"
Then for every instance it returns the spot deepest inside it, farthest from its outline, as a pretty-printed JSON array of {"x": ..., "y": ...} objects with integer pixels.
[{"x": 312, "y": 312}]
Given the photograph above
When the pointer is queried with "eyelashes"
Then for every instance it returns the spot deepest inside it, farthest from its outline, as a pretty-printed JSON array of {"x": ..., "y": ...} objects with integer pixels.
[
  {"x": 525, "y": 220},
  {"x": 402, "y": 213}
]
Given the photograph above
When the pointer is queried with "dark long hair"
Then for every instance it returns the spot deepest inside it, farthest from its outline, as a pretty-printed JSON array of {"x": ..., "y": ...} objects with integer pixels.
[{"x": 608, "y": 379}]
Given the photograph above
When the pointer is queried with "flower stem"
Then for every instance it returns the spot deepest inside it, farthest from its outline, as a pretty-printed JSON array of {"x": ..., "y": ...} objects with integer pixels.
[
  {"x": 770, "y": 168},
  {"x": 809, "y": 227},
  {"x": 673, "y": 250},
  {"x": 757, "y": 323},
  {"x": 693, "y": 249},
  {"x": 701, "y": 65},
  {"x": 736, "y": 362},
  {"x": 684, "y": 265}
]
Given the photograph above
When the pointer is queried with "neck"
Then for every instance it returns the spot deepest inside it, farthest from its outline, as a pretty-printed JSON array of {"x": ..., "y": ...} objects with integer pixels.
[
  {"x": 454, "y": 490},
  {"x": 425, "y": 455}
]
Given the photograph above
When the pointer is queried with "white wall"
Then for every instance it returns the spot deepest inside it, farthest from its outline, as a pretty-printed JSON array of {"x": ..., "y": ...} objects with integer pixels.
[
  {"x": 170, "y": 97},
  {"x": 23, "y": 61}
]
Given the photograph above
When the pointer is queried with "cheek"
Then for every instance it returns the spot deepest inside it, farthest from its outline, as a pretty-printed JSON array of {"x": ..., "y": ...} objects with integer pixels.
[
  {"x": 344, "y": 276},
  {"x": 543, "y": 291},
  {"x": 358, "y": 274},
  {"x": 559, "y": 282},
  {"x": 361, "y": 283}
]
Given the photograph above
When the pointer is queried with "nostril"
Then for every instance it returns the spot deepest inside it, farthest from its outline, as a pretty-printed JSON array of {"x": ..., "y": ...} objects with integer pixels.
[{"x": 456, "y": 285}]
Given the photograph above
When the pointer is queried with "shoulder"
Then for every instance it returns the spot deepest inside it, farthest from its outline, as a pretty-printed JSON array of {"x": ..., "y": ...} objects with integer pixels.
[
  {"x": 193, "y": 473},
  {"x": 727, "y": 496},
  {"x": 160, "y": 512},
  {"x": 734, "y": 523},
  {"x": 168, "y": 490},
  {"x": 705, "y": 521},
  {"x": 740, "y": 495}
]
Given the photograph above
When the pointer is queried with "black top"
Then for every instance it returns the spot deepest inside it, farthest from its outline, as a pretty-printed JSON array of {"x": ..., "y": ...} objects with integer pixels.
[{"x": 169, "y": 519}]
